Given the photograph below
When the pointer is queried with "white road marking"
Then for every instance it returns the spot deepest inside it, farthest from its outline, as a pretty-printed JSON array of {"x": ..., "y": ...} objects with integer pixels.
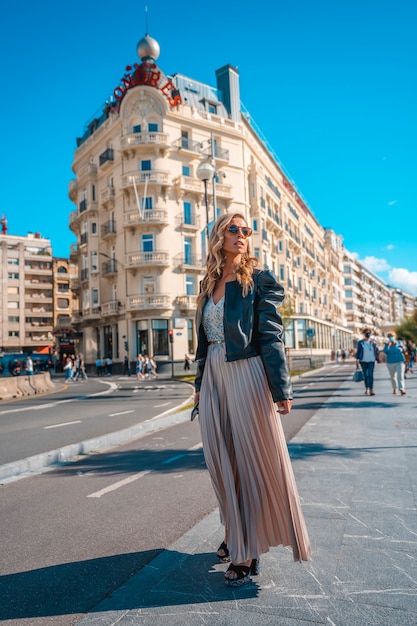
[
  {"x": 121, "y": 483},
  {"x": 156, "y": 406},
  {"x": 63, "y": 424},
  {"x": 121, "y": 413},
  {"x": 131, "y": 479}
]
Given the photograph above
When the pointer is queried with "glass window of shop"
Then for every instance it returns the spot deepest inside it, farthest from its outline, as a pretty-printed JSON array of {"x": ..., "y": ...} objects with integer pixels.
[
  {"x": 142, "y": 337},
  {"x": 108, "y": 342},
  {"x": 301, "y": 341},
  {"x": 289, "y": 334},
  {"x": 160, "y": 337},
  {"x": 190, "y": 336}
]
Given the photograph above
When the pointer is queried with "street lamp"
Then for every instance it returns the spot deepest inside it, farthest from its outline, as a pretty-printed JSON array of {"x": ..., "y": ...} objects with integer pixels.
[{"x": 205, "y": 172}]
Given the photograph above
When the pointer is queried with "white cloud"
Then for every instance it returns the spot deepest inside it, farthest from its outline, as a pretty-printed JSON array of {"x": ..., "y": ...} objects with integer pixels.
[
  {"x": 390, "y": 246},
  {"x": 404, "y": 279},
  {"x": 376, "y": 265}
]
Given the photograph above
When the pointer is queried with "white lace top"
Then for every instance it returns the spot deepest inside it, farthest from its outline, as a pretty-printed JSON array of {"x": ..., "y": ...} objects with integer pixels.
[{"x": 213, "y": 320}]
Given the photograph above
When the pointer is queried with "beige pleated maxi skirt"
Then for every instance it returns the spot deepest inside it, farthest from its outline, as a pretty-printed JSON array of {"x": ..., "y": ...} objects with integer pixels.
[{"x": 247, "y": 457}]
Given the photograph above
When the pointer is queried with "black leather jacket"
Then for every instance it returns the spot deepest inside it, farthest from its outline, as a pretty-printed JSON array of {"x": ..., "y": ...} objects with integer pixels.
[{"x": 252, "y": 326}]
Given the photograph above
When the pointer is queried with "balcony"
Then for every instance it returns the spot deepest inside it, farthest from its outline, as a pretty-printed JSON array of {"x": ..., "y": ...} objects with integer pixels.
[
  {"x": 188, "y": 184},
  {"x": 151, "y": 177},
  {"x": 107, "y": 197},
  {"x": 45, "y": 298},
  {"x": 132, "y": 143},
  {"x": 189, "y": 222},
  {"x": 73, "y": 190},
  {"x": 106, "y": 158},
  {"x": 187, "y": 304},
  {"x": 147, "y": 259},
  {"x": 109, "y": 268},
  {"x": 219, "y": 154},
  {"x": 74, "y": 252},
  {"x": 83, "y": 239},
  {"x": 112, "y": 307},
  {"x": 91, "y": 313},
  {"x": 189, "y": 263},
  {"x": 108, "y": 229},
  {"x": 186, "y": 145},
  {"x": 154, "y": 217},
  {"x": 149, "y": 301}
]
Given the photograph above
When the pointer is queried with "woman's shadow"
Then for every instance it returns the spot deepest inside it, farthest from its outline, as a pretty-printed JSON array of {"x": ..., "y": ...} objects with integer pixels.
[{"x": 124, "y": 582}]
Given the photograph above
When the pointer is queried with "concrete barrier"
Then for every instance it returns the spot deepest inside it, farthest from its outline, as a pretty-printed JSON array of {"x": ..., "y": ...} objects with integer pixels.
[{"x": 18, "y": 386}]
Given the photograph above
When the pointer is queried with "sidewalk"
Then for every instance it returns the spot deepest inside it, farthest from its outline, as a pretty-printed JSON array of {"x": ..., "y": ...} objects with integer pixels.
[{"x": 356, "y": 467}]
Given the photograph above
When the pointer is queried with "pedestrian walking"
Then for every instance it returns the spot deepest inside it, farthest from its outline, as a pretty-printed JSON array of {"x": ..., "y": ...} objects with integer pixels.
[
  {"x": 99, "y": 366},
  {"x": 126, "y": 367},
  {"x": 29, "y": 366},
  {"x": 109, "y": 366},
  {"x": 69, "y": 370},
  {"x": 242, "y": 381},
  {"x": 394, "y": 351},
  {"x": 187, "y": 362},
  {"x": 367, "y": 354},
  {"x": 139, "y": 367}
]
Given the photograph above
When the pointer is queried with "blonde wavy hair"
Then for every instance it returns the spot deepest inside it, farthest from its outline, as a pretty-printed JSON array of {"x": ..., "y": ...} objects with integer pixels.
[{"x": 216, "y": 261}]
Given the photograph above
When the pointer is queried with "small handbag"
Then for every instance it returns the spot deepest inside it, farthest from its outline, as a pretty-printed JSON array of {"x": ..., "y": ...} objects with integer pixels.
[{"x": 358, "y": 375}]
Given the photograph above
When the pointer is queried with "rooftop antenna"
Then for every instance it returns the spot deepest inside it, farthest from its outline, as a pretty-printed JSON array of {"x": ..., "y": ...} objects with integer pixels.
[{"x": 146, "y": 19}]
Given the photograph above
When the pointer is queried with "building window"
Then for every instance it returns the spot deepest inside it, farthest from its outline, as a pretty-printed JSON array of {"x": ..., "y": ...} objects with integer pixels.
[
  {"x": 152, "y": 127},
  {"x": 148, "y": 202},
  {"x": 188, "y": 251},
  {"x": 160, "y": 337},
  {"x": 281, "y": 273},
  {"x": 147, "y": 243},
  {"x": 190, "y": 285},
  {"x": 13, "y": 333},
  {"x": 13, "y": 276},
  {"x": 255, "y": 225},
  {"x": 13, "y": 319},
  {"x": 212, "y": 108},
  {"x": 184, "y": 139},
  {"x": 62, "y": 270},
  {"x": 63, "y": 303},
  {"x": 187, "y": 210},
  {"x": 146, "y": 166},
  {"x": 148, "y": 284},
  {"x": 186, "y": 170},
  {"x": 137, "y": 128},
  {"x": 94, "y": 296},
  {"x": 12, "y": 305},
  {"x": 94, "y": 261},
  {"x": 94, "y": 228}
]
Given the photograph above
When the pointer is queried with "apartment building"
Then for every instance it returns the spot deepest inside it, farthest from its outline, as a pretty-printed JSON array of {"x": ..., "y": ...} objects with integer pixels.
[
  {"x": 27, "y": 315},
  {"x": 65, "y": 306},
  {"x": 402, "y": 305},
  {"x": 367, "y": 297},
  {"x": 142, "y": 208}
]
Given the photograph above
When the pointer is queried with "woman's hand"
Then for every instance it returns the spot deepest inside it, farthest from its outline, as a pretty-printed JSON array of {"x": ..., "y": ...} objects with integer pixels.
[
  {"x": 196, "y": 398},
  {"x": 284, "y": 407}
]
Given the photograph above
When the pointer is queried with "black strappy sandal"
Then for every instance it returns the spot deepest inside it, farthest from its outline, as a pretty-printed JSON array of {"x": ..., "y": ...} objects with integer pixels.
[
  {"x": 255, "y": 566},
  {"x": 225, "y": 556},
  {"x": 242, "y": 572}
]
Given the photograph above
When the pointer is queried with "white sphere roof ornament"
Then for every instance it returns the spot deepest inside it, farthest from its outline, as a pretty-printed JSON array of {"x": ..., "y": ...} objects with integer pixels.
[{"x": 148, "y": 49}]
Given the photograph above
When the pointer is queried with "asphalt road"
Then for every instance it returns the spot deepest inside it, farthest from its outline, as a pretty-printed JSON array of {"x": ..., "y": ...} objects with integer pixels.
[
  {"x": 83, "y": 410},
  {"x": 74, "y": 534}
]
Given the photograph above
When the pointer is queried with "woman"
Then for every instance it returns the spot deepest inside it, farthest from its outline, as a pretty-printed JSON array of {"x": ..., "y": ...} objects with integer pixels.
[
  {"x": 242, "y": 381},
  {"x": 395, "y": 363},
  {"x": 367, "y": 356}
]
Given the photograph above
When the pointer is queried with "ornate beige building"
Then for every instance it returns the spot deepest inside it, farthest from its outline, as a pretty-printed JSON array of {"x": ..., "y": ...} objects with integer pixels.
[{"x": 141, "y": 211}]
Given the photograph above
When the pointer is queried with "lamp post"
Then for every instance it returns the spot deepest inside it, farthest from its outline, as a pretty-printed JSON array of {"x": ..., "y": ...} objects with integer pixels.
[{"x": 205, "y": 172}]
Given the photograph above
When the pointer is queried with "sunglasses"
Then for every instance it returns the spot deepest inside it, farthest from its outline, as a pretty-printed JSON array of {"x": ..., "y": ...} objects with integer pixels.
[{"x": 244, "y": 230}]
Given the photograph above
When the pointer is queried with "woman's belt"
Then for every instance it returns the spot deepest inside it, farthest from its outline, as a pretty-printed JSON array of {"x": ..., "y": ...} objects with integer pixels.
[{"x": 210, "y": 343}]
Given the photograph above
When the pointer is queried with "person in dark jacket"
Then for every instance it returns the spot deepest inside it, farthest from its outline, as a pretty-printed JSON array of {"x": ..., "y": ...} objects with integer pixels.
[
  {"x": 367, "y": 355},
  {"x": 242, "y": 381}
]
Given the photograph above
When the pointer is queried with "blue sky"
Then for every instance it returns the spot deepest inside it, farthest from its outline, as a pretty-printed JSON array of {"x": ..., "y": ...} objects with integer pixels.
[{"x": 331, "y": 84}]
